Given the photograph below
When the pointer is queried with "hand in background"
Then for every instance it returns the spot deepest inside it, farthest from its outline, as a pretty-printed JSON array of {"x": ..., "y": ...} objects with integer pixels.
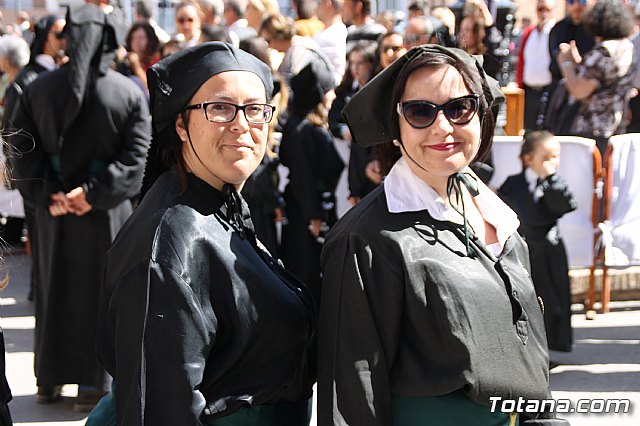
[
  {"x": 59, "y": 204},
  {"x": 78, "y": 204}
]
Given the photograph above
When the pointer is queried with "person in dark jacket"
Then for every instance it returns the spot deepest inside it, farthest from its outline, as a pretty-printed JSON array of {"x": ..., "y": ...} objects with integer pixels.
[
  {"x": 314, "y": 165},
  {"x": 540, "y": 197},
  {"x": 569, "y": 29},
  {"x": 428, "y": 312},
  {"x": 361, "y": 61},
  {"x": 85, "y": 131},
  {"x": 199, "y": 324},
  {"x": 47, "y": 47}
]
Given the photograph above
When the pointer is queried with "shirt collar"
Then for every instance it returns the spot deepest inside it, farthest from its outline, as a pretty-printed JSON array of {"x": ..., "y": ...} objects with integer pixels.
[
  {"x": 46, "y": 61},
  {"x": 532, "y": 179},
  {"x": 406, "y": 192}
]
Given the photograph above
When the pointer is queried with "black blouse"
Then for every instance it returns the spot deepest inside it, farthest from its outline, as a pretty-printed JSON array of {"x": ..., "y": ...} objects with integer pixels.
[
  {"x": 405, "y": 311},
  {"x": 197, "y": 319}
]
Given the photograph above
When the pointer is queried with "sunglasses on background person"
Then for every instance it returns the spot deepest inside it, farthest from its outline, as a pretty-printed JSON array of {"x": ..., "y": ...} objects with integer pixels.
[
  {"x": 581, "y": 2},
  {"x": 422, "y": 114},
  {"x": 183, "y": 20}
]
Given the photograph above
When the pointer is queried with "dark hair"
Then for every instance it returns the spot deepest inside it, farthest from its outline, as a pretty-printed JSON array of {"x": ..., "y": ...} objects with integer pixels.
[
  {"x": 153, "y": 44},
  {"x": 306, "y": 8},
  {"x": 258, "y": 47},
  {"x": 366, "y": 6},
  {"x": 609, "y": 19},
  {"x": 418, "y": 6},
  {"x": 279, "y": 27},
  {"x": 210, "y": 32},
  {"x": 479, "y": 32},
  {"x": 388, "y": 153},
  {"x": 144, "y": 8},
  {"x": 236, "y": 7},
  {"x": 367, "y": 49},
  {"x": 531, "y": 140}
]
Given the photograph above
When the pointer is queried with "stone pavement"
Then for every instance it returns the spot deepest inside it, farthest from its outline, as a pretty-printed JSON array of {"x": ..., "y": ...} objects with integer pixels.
[{"x": 604, "y": 364}]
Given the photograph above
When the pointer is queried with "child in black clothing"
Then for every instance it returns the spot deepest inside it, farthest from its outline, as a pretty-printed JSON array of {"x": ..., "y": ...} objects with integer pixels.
[{"x": 540, "y": 197}]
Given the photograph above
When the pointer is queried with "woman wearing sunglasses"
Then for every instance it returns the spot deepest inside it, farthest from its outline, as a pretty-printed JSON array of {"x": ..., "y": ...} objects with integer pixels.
[
  {"x": 189, "y": 21},
  {"x": 200, "y": 325},
  {"x": 428, "y": 311}
]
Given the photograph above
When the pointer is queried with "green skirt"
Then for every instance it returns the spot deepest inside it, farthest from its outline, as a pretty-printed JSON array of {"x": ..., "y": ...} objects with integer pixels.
[
  {"x": 290, "y": 414},
  {"x": 453, "y": 409}
]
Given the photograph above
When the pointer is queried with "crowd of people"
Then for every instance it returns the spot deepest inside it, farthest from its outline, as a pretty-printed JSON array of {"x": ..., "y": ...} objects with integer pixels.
[{"x": 189, "y": 263}]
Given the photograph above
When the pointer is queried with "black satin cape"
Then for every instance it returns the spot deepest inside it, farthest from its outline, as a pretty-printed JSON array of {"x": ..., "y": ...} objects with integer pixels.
[
  {"x": 405, "y": 311},
  {"x": 196, "y": 321}
]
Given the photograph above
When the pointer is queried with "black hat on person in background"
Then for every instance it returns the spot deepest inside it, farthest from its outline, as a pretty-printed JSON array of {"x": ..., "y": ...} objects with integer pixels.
[
  {"x": 174, "y": 80},
  {"x": 371, "y": 114},
  {"x": 41, "y": 31},
  {"x": 310, "y": 85}
]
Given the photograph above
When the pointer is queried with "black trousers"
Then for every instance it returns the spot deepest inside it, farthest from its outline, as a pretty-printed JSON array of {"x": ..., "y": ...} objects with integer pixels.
[{"x": 536, "y": 100}]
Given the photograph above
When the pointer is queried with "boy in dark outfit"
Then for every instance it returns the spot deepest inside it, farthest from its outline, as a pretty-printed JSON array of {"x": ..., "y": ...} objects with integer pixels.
[{"x": 540, "y": 197}]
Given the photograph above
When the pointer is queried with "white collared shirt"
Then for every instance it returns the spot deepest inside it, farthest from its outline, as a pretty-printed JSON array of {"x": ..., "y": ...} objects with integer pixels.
[
  {"x": 406, "y": 192},
  {"x": 46, "y": 61},
  {"x": 536, "y": 57}
]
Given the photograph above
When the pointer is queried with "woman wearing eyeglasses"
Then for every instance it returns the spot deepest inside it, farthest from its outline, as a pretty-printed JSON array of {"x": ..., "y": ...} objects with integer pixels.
[
  {"x": 428, "y": 311},
  {"x": 201, "y": 326}
]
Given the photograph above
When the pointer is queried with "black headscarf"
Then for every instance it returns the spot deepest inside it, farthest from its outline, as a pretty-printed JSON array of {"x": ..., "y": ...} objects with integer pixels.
[
  {"x": 174, "y": 80},
  {"x": 371, "y": 115},
  {"x": 41, "y": 31}
]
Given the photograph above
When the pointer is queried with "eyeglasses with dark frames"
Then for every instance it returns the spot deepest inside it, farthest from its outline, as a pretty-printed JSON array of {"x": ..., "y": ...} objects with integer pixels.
[
  {"x": 225, "y": 112},
  {"x": 422, "y": 114}
]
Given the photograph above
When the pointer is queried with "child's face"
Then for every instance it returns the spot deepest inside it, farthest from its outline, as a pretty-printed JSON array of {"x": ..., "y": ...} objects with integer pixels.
[{"x": 545, "y": 159}]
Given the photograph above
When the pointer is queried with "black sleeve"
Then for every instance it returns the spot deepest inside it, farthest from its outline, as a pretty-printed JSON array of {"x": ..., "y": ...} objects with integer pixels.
[
  {"x": 554, "y": 48},
  {"x": 336, "y": 122},
  {"x": 122, "y": 179},
  {"x": 32, "y": 173},
  {"x": 505, "y": 192},
  {"x": 358, "y": 159},
  {"x": 162, "y": 340},
  {"x": 359, "y": 332},
  {"x": 557, "y": 198}
]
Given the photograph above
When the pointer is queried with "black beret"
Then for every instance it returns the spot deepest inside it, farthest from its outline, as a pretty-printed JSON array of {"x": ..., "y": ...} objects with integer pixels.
[
  {"x": 174, "y": 80},
  {"x": 370, "y": 115},
  {"x": 310, "y": 85}
]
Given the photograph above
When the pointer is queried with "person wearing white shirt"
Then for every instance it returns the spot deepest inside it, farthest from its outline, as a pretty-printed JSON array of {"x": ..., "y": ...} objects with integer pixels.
[
  {"x": 533, "y": 66},
  {"x": 333, "y": 39}
]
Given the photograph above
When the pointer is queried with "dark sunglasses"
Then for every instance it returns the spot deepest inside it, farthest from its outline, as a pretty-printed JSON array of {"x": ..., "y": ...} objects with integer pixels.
[
  {"x": 58, "y": 34},
  {"x": 421, "y": 114},
  {"x": 183, "y": 20},
  {"x": 395, "y": 49},
  {"x": 582, "y": 2}
]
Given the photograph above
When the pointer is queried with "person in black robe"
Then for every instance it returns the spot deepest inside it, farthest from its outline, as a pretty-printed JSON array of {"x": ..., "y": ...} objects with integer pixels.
[
  {"x": 428, "y": 312},
  {"x": 85, "y": 131},
  {"x": 46, "y": 46},
  {"x": 540, "y": 197},
  {"x": 199, "y": 325},
  {"x": 314, "y": 169}
]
